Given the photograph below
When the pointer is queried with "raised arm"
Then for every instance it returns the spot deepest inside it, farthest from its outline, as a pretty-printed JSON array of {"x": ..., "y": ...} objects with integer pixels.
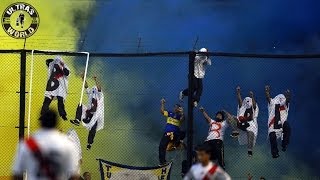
[
  {"x": 287, "y": 94},
  {"x": 65, "y": 70},
  {"x": 239, "y": 98},
  {"x": 162, "y": 108},
  {"x": 206, "y": 116},
  {"x": 97, "y": 83},
  {"x": 182, "y": 118},
  {"x": 254, "y": 104},
  {"x": 267, "y": 91},
  {"x": 86, "y": 83},
  {"x": 208, "y": 61}
]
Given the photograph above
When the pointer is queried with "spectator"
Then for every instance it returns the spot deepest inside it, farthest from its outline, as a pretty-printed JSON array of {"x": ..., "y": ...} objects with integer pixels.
[
  {"x": 47, "y": 154},
  {"x": 206, "y": 169}
]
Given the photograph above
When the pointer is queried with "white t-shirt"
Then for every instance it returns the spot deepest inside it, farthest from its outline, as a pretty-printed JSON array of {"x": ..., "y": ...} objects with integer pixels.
[
  {"x": 211, "y": 171},
  {"x": 53, "y": 145},
  {"x": 200, "y": 63},
  {"x": 216, "y": 130}
]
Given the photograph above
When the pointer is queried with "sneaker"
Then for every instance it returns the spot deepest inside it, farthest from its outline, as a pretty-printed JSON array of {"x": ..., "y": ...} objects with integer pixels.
[
  {"x": 64, "y": 117},
  {"x": 195, "y": 104},
  {"x": 275, "y": 155},
  {"x": 75, "y": 122},
  {"x": 250, "y": 153},
  {"x": 88, "y": 146},
  {"x": 181, "y": 96}
]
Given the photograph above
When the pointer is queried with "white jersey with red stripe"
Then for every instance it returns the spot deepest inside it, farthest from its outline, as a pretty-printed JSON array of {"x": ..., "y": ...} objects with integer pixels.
[
  {"x": 284, "y": 110},
  {"x": 210, "y": 172},
  {"x": 57, "y": 82},
  {"x": 216, "y": 130},
  {"x": 253, "y": 123},
  {"x": 56, "y": 148}
]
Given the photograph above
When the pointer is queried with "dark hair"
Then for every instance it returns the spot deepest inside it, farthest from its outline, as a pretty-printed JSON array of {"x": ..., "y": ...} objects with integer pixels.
[
  {"x": 48, "y": 119},
  {"x": 86, "y": 173},
  {"x": 48, "y": 61},
  {"x": 179, "y": 105},
  {"x": 222, "y": 114},
  {"x": 204, "y": 147}
]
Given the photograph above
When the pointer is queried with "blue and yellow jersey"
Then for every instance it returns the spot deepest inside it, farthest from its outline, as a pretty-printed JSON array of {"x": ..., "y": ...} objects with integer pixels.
[{"x": 173, "y": 121}]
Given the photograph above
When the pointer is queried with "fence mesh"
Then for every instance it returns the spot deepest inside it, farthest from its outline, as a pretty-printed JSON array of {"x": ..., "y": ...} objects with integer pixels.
[
  {"x": 252, "y": 74},
  {"x": 133, "y": 87},
  {"x": 10, "y": 75}
]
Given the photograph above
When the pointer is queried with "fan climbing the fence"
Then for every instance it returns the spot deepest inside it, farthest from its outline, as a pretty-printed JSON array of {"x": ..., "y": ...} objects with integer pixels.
[
  {"x": 57, "y": 85},
  {"x": 200, "y": 63},
  {"x": 92, "y": 114},
  {"x": 217, "y": 128},
  {"x": 246, "y": 120},
  {"x": 172, "y": 130},
  {"x": 278, "y": 126}
]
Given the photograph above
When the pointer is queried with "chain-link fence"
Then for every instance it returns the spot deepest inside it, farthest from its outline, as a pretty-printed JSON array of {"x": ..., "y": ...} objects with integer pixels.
[
  {"x": 132, "y": 88},
  {"x": 133, "y": 85},
  {"x": 10, "y": 75}
]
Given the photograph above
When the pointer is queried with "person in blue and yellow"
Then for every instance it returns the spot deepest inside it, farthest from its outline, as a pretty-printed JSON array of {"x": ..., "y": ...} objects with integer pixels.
[{"x": 172, "y": 129}]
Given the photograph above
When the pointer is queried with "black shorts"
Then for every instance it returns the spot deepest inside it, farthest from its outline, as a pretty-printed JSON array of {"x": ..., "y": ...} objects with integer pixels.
[{"x": 217, "y": 151}]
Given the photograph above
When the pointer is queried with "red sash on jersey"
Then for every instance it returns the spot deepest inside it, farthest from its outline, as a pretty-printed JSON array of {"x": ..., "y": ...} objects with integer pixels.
[
  {"x": 276, "y": 118},
  {"x": 211, "y": 172},
  {"x": 33, "y": 146}
]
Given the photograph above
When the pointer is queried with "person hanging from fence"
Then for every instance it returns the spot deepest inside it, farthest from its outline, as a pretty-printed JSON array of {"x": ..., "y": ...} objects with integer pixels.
[
  {"x": 57, "y": 85},
  {"x": 216, "y": 134},
  {"x": 278, "y": 126},
  {"x": 247, "y": 114},
  {"x": 200, "y": 63},
  {"x": 205, "y": 169},
  {"x": 92, "y": 114},
  {"x": 172, "y": 130}
]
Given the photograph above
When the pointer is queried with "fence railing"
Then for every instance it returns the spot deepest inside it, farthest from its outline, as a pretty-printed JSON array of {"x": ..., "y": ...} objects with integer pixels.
[{"x": 134, "y": 84}]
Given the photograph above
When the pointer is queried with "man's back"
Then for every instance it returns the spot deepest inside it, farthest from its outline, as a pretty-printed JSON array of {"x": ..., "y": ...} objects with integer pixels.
[{"x": 57, "y": 151}]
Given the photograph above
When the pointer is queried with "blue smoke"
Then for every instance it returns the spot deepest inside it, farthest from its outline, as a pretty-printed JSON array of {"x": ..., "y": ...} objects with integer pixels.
[{"x": 266, "y": 26}]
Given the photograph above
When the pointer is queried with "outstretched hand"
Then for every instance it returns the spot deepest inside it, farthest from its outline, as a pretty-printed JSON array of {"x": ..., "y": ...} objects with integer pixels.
[
  {"x": 267, "y": 88},
  {"x": 82, "y": 75},
  {"x": 287, "y": 91},
  {"x": 163, "y": 101},
  {"x": 201, "y": 109},
  {"x": 251, "y": 94},
  {"x": 238, "y": 89}
]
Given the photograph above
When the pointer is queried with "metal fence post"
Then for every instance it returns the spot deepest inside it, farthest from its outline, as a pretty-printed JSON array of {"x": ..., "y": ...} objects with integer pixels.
[
  {"x": 192, "y": 55},
  {"x": 23, "y": 59}
]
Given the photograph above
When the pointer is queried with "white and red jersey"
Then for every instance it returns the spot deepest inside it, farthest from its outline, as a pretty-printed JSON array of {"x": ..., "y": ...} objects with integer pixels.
[
  {"x": 248, "y": 113},
  {"x": 59, "y": 152},
  {"x": 98, "y": 115},
  {"x": 216, "y": 130},
  {"x": 275, "y": 125},
  {"x": 57, "y": 84},
  {"x": 210, "y": 172}
]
